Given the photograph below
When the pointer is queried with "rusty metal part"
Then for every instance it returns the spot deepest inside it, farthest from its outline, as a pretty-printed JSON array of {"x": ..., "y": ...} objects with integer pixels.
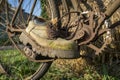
[
  {"x": 31, "y": 12},
  {"x": 96, "y": 49},
  {"x": 106, "y": 41},
  {"x": 11, "y": 29},
  {"x": 16, "y": 13},
  {"x": 91, "y": 28},
  {"x": 101, "y": 32},
  {"x": 79, "y": 33},
  {"x": 29, "y": 52},
  {"x": 75, "y": 30}
]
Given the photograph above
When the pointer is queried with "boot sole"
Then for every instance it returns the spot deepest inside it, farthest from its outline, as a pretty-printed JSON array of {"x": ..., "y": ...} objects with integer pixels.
[{"x": 26, "y": 39}]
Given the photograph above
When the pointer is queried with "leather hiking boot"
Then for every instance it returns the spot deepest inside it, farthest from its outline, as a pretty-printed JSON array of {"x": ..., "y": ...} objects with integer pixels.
[{"x": 36, "y": 34}]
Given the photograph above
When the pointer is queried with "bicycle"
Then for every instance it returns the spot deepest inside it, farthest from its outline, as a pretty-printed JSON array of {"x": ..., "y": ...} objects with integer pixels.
[{"x": 80, "y": 20}]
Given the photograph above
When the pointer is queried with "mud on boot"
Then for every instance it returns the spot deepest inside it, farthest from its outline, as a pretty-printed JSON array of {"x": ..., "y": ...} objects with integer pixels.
[{"x": 37, "y": 36}]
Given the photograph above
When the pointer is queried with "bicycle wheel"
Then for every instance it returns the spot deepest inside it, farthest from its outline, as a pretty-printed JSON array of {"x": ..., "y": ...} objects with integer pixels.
[{"x": 17, "y": 14}]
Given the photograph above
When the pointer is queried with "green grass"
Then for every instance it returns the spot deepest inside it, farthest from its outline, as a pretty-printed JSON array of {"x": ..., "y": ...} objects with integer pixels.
[
  {"x": 19, "y": 68},
  {"x": 88, "y": 74},
  {"x": 17, "y": 65}
]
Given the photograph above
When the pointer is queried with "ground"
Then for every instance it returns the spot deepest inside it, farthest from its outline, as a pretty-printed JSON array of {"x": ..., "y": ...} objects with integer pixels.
[{"x": 77, "y": 69}]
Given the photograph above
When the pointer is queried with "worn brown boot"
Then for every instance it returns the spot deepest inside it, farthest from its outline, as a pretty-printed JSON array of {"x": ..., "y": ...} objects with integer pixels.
[{"x": 37, "y": 36}]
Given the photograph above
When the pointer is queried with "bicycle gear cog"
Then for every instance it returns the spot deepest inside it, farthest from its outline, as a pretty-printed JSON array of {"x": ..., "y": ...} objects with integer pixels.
[{"x": 106, "y": 39}]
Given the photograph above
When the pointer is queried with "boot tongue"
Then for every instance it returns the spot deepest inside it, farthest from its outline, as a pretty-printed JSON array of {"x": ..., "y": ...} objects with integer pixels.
[{"x": 39, "y": 21}]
